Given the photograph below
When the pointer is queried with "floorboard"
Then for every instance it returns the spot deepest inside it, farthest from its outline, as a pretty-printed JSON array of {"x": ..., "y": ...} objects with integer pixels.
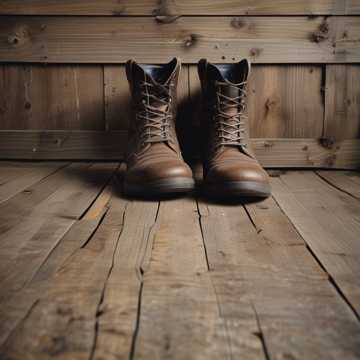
[
  {"x": 15, "y": 177},
  {"x": 86, "y": 273},
  {"x": 262, "y": 271},
  {"x": 347, "y": 181},
  {"x": 329, "y": 221}
]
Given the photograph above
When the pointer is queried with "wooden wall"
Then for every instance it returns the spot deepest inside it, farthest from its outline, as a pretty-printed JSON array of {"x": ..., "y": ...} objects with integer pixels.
[{"x": 64, "y": 94}]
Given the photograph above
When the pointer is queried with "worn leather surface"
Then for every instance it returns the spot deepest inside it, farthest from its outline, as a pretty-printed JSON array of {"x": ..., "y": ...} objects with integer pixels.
[
  {"x": 161, "y": 158},
  {"x": 226, "y": 162}
]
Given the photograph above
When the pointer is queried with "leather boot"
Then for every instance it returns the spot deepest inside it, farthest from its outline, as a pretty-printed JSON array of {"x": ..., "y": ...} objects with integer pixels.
[
  {"x": 154, "y": 162},
  {"x": 230, "y": 167}
]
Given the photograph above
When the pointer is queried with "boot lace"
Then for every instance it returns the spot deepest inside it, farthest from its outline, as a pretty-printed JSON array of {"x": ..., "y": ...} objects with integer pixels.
[
  {"x": 155, "y": 115},
  {"x": 231, "y": 128}
]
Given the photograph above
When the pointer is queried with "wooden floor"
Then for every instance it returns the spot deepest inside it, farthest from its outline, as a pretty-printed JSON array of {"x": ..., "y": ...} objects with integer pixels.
[{"x": 88, "y": 274}]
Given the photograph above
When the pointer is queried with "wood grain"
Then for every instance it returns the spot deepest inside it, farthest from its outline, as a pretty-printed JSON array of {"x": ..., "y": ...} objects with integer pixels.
[
  {"x": 115, "y": 40},
  {"x": 123, "y": 290},
  {"x": 117, "y": 98},
  {"x": 51, "y": 97},
  {"x": 70, "y": 314},
  {"x": 342, "y": 102},
  {"x": 286, "y": 101},
  {"x": 15, "y": 178},
  {"x": 265, "y": 271},
  {"x": 328, "y": 220},
  {"x": 347, "y": 181},
  {"x": 17, "y": 304},
  {"x": 177, "y": 7},
  {"x": 180, "y": 318},
  {"x": 97, "y": 145}
]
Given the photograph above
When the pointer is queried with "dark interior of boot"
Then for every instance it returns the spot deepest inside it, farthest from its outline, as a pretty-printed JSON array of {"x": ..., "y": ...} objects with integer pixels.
[
  {"x": 160, "y": 73},
  {"x": 234, "y": 73}
]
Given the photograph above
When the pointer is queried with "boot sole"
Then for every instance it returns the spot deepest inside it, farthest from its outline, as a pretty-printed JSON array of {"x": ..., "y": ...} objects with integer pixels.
[
  {"x": 238, "y": 189},
  {"x": 160, "y": 187}
]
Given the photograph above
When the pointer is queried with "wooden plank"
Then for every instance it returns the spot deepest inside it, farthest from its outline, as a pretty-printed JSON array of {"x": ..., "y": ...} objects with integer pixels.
[
  {"x": 15, "y": 177},
  {"x": 76, "y": 145},
  {"x": 17, "y": 304},
  {"x": 52, "y": 97},
  {"x": 328, "y": 220},
  {"x": 261, "y": 266},
  {"x": 63, "y": 321},
  {"x": 85, "y": 145},
  {"x": 177, "y": 7},
  {"x": 24, "y": 217},
  {"x": 121, "y": 301},
  {"x": 117, "y": 98},
  {"x": 115, "y": 40},
  {"x": 307, "y": 153},
  {"x": 174, "y": 323},
  {"x": 74, "y": 301},
  {"x": 352, "y": 6},
  {"x": 342, "y": 101},
  {"x": 347, "y": 181},
  {"x": 26, "y": 246},
  {"x": 286, "y": 101}
]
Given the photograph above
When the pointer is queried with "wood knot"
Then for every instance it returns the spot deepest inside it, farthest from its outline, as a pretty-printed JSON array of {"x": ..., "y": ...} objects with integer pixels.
[
  {"x": 327, "y": 143},
  {"x": 190, "y": 41},
  {"x": 13, "y": 39},
  {"x": 166, "y": 19},
  {"x": 255, "y": 52},
  {"x": 163, "y": 8},
  {"x": 18, "y": 36},
  {"x": 268, "y": 144},
  {"x": 270, "y": 104},
  {"x": 321, "y": 34},
  {"x": 237, "y": 23}
]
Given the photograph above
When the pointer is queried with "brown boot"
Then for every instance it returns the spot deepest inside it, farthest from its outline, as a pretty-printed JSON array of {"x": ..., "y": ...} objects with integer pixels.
[
  {"x": 154, "y": 162},
  {"x": 230, "y": 167}
]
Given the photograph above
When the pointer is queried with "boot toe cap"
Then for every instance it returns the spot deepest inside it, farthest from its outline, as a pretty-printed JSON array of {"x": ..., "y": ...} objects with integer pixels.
[
  {"x": 232, "y": 179},
  {"x": 159, "y": 171}
]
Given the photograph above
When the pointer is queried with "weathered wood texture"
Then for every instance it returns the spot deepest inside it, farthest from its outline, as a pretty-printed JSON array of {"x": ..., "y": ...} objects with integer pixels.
[
  {"x": 179, "y": 7},
  {"x": 347, "y": 181},
  {"x": 51, "y": 97},
  {"x": 115, "y": 40},
  {"x": 32, "y": 224},
  {"x": 180, "y": 279},
  {"x": 14, "y": 177},
  {"x": 265, "y": 277},
  {"x": 328, "y": 220},
  {"x": 285, "y": 102},
  {"x": 80, "y": 145},
  {"x": 342, "y": 102}
]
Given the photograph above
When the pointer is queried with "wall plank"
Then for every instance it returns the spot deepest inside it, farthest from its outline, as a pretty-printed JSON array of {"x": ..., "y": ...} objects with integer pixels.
[
  {"x": 115, "y": 40},
  {"x": 117, "y": 98},
  {"x": 104, "y": 145},
  {"x": 342, "y": 102},
  {"x": 179, "y": 7},
  {"x": 286, "y": 101},
  {"x": 51, "y": 97}
]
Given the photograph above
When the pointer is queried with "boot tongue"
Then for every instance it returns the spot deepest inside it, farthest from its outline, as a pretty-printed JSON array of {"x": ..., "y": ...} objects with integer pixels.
[
  {"x": 158, "y": 76},
  {"x": 231, "y": 76}
]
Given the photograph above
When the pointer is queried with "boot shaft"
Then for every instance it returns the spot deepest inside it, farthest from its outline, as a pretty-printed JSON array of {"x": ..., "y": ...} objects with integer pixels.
[
  {"x": 154, "y": 103},
  {"x": 224, "y": 121}
]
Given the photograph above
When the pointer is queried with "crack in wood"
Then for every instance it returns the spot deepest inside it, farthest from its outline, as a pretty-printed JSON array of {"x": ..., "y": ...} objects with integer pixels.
[{"x": 99, "y": 310}]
